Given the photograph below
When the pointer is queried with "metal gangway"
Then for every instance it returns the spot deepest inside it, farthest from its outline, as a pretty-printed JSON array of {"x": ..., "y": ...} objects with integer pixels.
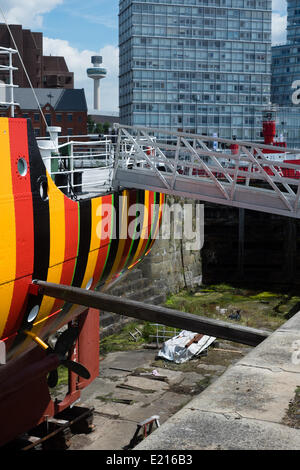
[
  {"x": 175, "y": 163},
  {"x": 204, "y": 168}
]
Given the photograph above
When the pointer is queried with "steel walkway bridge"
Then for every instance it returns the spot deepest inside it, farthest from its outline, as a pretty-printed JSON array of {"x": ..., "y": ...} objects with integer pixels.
[
  {"x": 202, "y": 168},
  {"x": 175, "y": 163}
]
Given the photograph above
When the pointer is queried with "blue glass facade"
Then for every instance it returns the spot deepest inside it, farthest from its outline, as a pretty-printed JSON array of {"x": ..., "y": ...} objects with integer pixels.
[
  {"x": 293, "y": 22},
  {"x": 195, "y": 65},
  {"x": 286, "y": 58},
  {"x": 287, "y": 125}
]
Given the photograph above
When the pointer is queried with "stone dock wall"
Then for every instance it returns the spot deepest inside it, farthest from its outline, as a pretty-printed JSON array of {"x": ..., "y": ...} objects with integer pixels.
[
  {"x": 169, "y": 267},
  {"x": 250, "y": 247},
  {"x": 239, "y": 246}
]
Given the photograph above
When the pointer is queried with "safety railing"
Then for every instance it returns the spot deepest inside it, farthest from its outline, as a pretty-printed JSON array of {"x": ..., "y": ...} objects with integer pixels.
[
  {"x": 7, "y": 86},
  {"x": 79, "y": 167},
  {"x": 238, "y": 173}
]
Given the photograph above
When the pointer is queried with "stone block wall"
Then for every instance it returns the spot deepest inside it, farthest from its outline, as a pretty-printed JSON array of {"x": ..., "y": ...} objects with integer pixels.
[
  {"x": 266, "y": 250},
  {"x": 170, "y": 261}
]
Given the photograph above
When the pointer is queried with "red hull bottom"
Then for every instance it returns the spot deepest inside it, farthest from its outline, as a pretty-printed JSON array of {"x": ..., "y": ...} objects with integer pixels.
[{"x": 25, "y": 401}]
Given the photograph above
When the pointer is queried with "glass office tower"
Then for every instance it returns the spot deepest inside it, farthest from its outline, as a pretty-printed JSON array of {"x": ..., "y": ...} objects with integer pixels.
[
  {"x": 199, "y": 66},
  {"x": 286, "y": 71},
  {"x": 293, "y": 22},
  {"x": 286, "y": 58}
]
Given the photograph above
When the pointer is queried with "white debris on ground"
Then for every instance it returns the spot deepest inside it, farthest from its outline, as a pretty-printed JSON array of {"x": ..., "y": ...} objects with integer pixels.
[{"x": 184, "y": 346}]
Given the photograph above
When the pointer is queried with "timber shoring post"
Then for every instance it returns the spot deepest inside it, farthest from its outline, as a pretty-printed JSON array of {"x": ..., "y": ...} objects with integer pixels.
[{"x": 154, "y": 313}]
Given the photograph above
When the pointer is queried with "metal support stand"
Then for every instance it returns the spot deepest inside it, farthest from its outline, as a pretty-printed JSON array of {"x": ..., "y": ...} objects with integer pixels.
[
  {"x": 241, "y": 243},
  {"x": 146, "y": 427},
  {"x": 25, "y": 400},
  {"x": 2, "y": 353}
]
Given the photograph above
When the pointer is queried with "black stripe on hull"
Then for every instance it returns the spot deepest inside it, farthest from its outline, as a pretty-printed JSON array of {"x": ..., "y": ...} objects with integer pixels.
[
  {"x": 41, "y": 221},
  {"x": 85, "y": 229},
  {"x": 115, "y": 238},
  {"x": 140, "y": 199},
  {"x": 154, "y": 215}
]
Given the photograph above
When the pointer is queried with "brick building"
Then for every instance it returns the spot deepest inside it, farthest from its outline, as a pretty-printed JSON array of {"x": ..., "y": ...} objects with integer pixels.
[
  {"x": 65, "y": 108},
  {"x": 43, "y": 71}
]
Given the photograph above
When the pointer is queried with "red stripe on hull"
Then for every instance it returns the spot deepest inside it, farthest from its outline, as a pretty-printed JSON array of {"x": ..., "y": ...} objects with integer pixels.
[
  {"x": 24, "y": 220},
  {"x": 132, "y": 199},
  {"x": 105, "y": 244},
  {"x": 145, "y": 242},
  {"x": 71, "y": 244}
]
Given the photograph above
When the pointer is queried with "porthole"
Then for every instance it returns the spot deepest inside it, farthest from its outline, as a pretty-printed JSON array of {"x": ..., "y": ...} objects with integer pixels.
[
  {"x": 44, "y": 190},
  {"x": 22, "y": 167},
  {"x": 33, "y": 313}
]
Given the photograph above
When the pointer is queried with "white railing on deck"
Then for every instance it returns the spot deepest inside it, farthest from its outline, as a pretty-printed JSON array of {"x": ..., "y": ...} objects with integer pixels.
[
  {"x": 78, "y": 167},
  {"x": 90, "y": 160},
  {"x": 9, "y": 85}
]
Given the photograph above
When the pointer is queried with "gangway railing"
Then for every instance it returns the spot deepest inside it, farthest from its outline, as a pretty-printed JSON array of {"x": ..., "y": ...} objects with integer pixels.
[{"x": 207, "y": 168}]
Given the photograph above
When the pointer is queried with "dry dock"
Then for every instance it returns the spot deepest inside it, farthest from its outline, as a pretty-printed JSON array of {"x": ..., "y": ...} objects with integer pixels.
[{"x": 245, "y": 408}]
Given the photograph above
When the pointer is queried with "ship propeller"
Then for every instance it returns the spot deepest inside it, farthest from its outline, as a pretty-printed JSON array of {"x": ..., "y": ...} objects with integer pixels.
[{"x": 62, "y": 347}]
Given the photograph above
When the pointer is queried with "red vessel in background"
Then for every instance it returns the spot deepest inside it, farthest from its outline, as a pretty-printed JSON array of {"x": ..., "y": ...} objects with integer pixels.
[
  {"x": 278, "y": 155},
  {"x": 275, "y": 156},
  {"x": 269, "y": 134}
]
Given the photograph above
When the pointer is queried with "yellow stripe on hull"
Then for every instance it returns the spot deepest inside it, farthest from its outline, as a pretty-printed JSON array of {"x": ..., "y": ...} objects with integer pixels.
[
  {"x": 57, "y": 243},
  {"x": 57, "y": 253},
  {"x": 94, "y": 245},
  {"x": 145, "y": 229},
  {"x": 122, "y": 241},
  {"x": 7, "y": 223}
]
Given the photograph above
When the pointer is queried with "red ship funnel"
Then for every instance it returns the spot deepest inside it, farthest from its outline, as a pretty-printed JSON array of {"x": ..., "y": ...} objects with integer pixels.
[
  {"x": 269, "y": 132},
  {"x": 234, "y": 149}
]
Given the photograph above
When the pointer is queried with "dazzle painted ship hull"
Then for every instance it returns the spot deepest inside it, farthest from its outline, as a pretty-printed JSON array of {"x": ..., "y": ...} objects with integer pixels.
[{"x": 47, "y": 236}]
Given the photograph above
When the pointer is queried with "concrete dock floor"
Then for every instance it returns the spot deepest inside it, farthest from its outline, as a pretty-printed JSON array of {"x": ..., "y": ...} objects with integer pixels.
[
  {"x": 121, "y": 379},
  {"x": 244, "y": 409}
]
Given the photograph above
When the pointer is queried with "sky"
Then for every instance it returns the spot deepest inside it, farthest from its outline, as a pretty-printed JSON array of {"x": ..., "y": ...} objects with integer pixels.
[{"x": 78, "y": 29}]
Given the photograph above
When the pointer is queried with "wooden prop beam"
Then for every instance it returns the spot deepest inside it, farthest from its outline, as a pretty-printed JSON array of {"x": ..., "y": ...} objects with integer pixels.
[{"x": 154, "y": 313}]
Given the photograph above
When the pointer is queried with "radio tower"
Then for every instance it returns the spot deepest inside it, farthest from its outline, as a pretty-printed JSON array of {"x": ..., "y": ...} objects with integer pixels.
[{"x": 96, "y": 73}]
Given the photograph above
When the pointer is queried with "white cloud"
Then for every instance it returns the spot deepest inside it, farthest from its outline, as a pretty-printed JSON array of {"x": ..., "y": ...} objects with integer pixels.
[
  {"x": 28, "y": 12},
  {"x": 78, "y": 61},
  {"x": 279, "y": 19},
  {"x": 278, "y": 28}
]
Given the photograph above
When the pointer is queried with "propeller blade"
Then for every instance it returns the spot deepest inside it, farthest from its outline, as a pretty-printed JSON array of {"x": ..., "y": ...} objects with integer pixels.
[
  {"x": 63, "y": 344},
  {"x": 65, "y": 341},
  {"x": 52, "y": 378},
  {"x": 76, "y": 367}
]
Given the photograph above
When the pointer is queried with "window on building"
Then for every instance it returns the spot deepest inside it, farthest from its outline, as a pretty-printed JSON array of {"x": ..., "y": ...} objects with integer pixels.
[{"x": 48, "y": 119}]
